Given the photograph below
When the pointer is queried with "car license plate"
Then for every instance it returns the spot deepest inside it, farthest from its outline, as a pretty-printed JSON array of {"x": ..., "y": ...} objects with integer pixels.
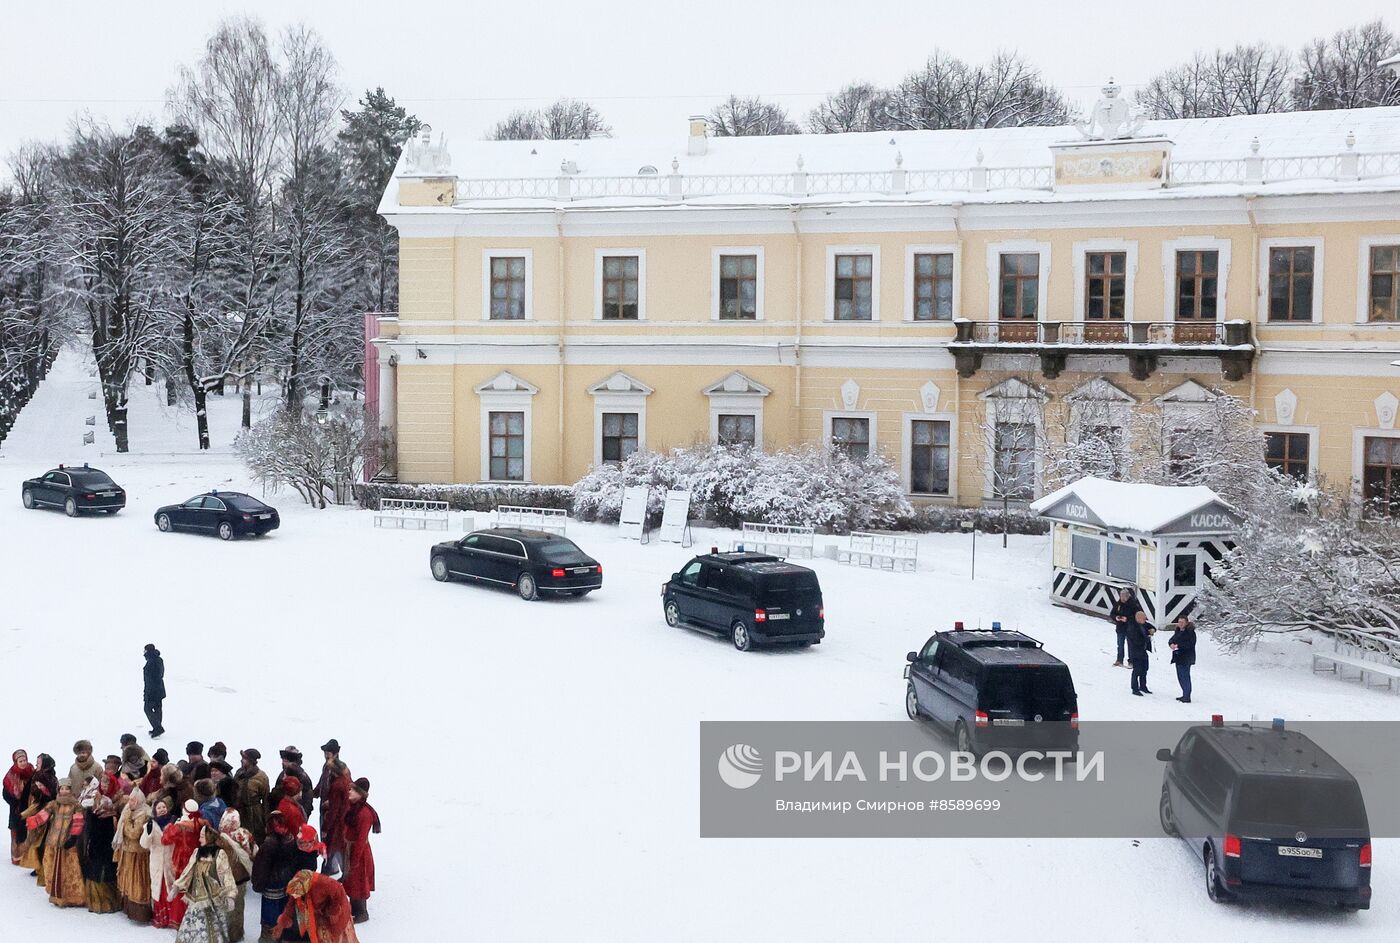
[
  {"x": 1008, "y": 722},
  {"x": 1292, "y": 851},
  {"x": 264, "y": 517},
  {"x": 581, "y": 570},
  {"x": 778, "y": 616},
  {"x": 106, "y": 494}
]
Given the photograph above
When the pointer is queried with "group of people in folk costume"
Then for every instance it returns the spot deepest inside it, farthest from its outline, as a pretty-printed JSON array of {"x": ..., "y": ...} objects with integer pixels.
[{"x": 177, "y": 845}]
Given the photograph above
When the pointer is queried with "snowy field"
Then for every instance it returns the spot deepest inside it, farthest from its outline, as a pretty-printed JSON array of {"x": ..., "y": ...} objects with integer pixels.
[{"x": 535, "y": 765}]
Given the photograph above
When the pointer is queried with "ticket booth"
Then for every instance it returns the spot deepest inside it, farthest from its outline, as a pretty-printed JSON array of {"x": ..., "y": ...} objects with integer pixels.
[{"x": 1159, "y": 541}]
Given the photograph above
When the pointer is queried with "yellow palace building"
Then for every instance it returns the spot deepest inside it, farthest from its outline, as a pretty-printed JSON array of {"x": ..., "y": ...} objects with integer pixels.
[{"x": 564, "y": 303}]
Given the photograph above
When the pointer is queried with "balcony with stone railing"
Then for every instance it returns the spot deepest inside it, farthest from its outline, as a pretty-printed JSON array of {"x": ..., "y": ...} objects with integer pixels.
[{"x": 1142, "y": 343}]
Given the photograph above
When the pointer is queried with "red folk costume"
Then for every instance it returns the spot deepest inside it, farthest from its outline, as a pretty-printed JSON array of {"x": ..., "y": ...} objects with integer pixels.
[
  {"x": 359, "y": 864},
  {"x": 290, "y": 806},
  {"x": 320, "y": 910},
  {"x": 16, "y": 791},
  {"x": 183, "y": 838},
  {"x": 334, "y": 793}
]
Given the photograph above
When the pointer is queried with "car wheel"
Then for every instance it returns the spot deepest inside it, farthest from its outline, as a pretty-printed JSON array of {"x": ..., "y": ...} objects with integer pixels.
[
  {"x": 163, "y": 522},
  {"x": 1164, "y": 813},
  {"x": 739, "y": 635},
  {"x": 963, "y": 738},
  {"x": 225, "y": 531},
  {"x": 70, "y": 507},
  {"x": 911, "y": 703},
  {"x": 673, "y": 614},
  {"x": 1215, "y": 888},
  {"x": 439, "y": 568},
  {"x": 526, "y": 587},
  {"x": 27, "y": 499}
]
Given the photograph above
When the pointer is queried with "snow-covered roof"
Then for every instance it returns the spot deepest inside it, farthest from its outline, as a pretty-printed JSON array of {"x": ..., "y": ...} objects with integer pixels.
[
  {"x": 494, "y": 171},
  {"x": 1145, "y": 509}
]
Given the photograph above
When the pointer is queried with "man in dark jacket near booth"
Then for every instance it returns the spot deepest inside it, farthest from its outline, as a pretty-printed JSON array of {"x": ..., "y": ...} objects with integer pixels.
[
  {"x": 1139, "y": 644},
  {"x": 154, "y": 677},
  {"x": 1121, "y": 615},
  {"x": 1183, "y": 646}
]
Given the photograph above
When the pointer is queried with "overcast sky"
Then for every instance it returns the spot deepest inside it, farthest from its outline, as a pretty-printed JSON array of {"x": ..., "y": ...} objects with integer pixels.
[{"x": 647, "y": 66}]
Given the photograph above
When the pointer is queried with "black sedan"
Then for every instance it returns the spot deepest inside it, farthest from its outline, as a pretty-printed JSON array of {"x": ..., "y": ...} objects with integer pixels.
[
  {"x": 531, "y": 562},
  {"x": 229, "y": 514},
  {"x": 76, "y": 490}
]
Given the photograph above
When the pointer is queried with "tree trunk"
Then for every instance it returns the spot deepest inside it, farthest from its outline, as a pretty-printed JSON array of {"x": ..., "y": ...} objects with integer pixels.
[{"x": 201, "y": 411}]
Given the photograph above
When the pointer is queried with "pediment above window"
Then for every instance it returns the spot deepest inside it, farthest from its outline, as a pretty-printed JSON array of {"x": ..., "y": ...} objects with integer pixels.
[
  {"x": 1188, "y": 392},
  {"x": 1012, "y": 388},
  {"x": 1100, "y": 390},
  {"x": 506, "y": 382},
  {"x": 737, "y": 384},
  {"x": 620, "y": 382}
]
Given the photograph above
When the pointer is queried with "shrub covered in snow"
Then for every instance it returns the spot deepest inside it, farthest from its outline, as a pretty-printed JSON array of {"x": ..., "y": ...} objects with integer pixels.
[
  {"x": 483, "y": 497},
  {"x": 807, "y": 485},
  {"x": 320, "y": 458}
]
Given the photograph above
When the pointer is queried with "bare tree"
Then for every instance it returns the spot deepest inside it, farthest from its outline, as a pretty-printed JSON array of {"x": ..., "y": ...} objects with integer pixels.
[
  {"x": 743, "y": 117},
  {"x": 566, "y": 120},
  {"x": 949, "y": 93},
  {"x": 1246, "y": 80},
  {"x": 1341, "y": 71},
  {"x": 859, "y": 106}
]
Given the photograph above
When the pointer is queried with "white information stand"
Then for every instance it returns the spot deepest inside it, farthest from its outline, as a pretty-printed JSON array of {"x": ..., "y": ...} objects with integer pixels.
[
  {"x": 632, "y": 522},
  {"x": 675, "y": 519}
]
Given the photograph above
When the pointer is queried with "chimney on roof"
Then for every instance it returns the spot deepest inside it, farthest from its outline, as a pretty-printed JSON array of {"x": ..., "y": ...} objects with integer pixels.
[{"x": 699, "y": 135}]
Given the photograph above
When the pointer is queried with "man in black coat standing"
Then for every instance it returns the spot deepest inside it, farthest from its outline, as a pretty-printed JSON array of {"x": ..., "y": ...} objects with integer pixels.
[
  {"x": 154, "y": 674},
  {"x": 1139, "y": 644},
  {"x": 1183, "y": 646},
  {"x": 1121, "y": 615}
]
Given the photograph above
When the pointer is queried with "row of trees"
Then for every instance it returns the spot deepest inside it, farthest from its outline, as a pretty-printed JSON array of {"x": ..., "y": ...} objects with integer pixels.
[
  {"x": 1339, "y": 71},
  {"x": 237, "y": 244}
]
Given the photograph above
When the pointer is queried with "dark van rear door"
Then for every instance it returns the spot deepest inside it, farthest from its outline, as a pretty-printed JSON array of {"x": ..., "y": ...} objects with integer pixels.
[
  {"x": 1027, "y": 693},
  {"x": 1299, "y": 831},
  {"x": 793, "y": 602}
]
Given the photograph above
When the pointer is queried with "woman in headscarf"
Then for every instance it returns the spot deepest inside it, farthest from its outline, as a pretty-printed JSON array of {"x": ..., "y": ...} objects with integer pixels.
[
  {"x": 95, "y": 849},
  {"x": 167, "y": 904},
  {"x": 16, "y": 792},
  {"x": 133, "y": 859},
  {"x": 320, "y": 910},
  {"x": 207, "y": 883},
  {"x": 237, "y": 841},
  {"x": 43, "y": 789},
  {"x": 62, "y": 822}
]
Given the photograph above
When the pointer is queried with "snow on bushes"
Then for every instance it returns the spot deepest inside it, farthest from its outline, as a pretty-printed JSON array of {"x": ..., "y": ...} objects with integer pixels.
[
  {"x": 318, "y": 458},
  {"x": 483, "y": 497},
  {"x": 807, "y": 485}
]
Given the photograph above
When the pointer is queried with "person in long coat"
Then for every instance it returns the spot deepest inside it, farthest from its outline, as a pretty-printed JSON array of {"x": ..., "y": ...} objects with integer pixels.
[
  {"x": 133, "y": 858},
  {"x": 320, "y": 910},
  {"x": 1139, "y": 644},
  {"x": 275, "y": 864},
  {"x": 334, "y": 792},
  {"x": 167, "y": 903},
  {"x": 62, "y": 824},
  {"x": 238, "y": 843},
  {"x": 1183, "y": 646},
  {"x": 95, "y": 850},
  {"x": 360, "y": 820},
  {"x": 291, "y": 769},
  {"x": 253, "y": 789},
  {"x": 208, "y": 886},
  {"x": 85, "y": 766},
  {"x": 1125, "y": 607},
  {"x": 16, "y": 793},
  {"x": 153, "y": 689},
  {"x": 43, "y": 789},
  {"x": 290, "y": 804}
]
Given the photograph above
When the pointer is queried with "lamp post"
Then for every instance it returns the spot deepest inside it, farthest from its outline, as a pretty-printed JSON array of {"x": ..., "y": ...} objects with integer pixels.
[{"x": 972, "y": 526}]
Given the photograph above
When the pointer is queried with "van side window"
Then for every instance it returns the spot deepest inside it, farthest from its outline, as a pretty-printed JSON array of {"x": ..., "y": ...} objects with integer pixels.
[
  {"x": 958, "y": 667},
  {"x": 691, "y": 574},
  {"x": 717, "y": 579},
  {"x": 1210, "y": 773},
  {"x": 930, "y": 653}
]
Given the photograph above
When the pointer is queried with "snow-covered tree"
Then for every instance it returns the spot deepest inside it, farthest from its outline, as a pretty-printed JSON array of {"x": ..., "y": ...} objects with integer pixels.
[
  {"x": 320, "y": 458},
  {"x": 949, "y": 93},
  {"x": 859, "y": 106},
  {"x": 1343, "y": 71},
  {"x": 743, "y": 117},
  {"x": 567, "y": 119},
  {"x": 1246, "y": 80}
]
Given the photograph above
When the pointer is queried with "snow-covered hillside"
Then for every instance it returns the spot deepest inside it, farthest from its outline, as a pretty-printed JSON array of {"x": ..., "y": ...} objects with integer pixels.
[{"x": 535, "y": 765}]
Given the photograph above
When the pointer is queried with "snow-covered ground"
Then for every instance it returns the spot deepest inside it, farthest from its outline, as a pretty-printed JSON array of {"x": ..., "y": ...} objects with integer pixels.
[{"x": 535, "y": 765}]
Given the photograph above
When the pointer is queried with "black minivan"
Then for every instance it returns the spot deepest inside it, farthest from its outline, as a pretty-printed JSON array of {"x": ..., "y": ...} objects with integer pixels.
[
  {"x": 750, "y": 598},
  {"x": 994, "y": 690},
  {"x": 1269, "y": 814}
]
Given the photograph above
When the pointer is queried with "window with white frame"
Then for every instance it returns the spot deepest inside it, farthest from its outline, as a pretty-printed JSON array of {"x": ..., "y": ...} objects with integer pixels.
[
  {"x": 621, "y": 284},
  {"x": 620, "y": 433},
  {"x": 1018, "y": 286},
  {"x": 507, "y": 288},
  {"x": 507, "y": 445},
  {"x": 1105, "y": 286},
  {"x": 932, "y": 288},
  {"x": 930, "y": 456},
  {"x": 1380, "y": 474},
  {"x": 1383, "y": 281},
  {"x": 737, "y": 429},
  {"x": 851, "y": 434},
  {"x": 853, "y": 289},
  {"x": 738, "y": 288},
  {"x": 1092, "y": 553},
  {"x": 1288, "y": 453},
  {"x": 1291, "y": 283},
  {"x": 505, "y": 427}
]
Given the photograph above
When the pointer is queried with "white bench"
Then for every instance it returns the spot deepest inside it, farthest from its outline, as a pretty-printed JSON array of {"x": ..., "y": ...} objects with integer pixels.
[
  {"x": 550, "y": 520},
  {"x": 786, "y": 540},
  {"x": 1336, "y": 663},
  {"x": 884, "y": 551},
  {"x": 412, "y": 513}
]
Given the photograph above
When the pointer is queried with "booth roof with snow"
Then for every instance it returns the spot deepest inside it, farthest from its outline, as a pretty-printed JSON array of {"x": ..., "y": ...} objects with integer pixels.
[{"x": 1157, "y": 540}]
